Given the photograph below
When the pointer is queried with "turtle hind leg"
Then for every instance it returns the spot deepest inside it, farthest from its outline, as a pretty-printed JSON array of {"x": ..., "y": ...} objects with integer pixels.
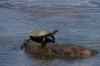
[
  {"x": 21, "y": 47},
  {"x": 24, "y": 44}
]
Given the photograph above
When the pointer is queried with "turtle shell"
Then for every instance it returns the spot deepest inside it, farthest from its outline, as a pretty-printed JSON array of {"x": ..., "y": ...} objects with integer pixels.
[{"x": 39, "y": 33}]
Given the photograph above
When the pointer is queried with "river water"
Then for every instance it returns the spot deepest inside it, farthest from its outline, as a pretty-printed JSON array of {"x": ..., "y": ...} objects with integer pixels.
[{"x": 78, "y": 20}]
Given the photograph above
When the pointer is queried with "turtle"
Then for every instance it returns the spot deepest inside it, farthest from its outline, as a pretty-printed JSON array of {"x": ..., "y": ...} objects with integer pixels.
[{"x": 43, "y": 33}]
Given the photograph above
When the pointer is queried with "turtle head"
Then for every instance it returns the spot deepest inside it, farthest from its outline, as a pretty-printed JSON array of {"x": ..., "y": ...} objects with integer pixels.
[{"x": 55, "y": 31}]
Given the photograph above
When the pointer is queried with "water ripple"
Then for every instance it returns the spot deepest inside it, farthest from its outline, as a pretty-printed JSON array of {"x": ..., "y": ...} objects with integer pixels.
[{"x": 78, "y": 21}]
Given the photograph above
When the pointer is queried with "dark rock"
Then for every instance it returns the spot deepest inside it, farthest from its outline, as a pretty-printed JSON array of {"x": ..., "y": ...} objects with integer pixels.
[{"x": 55, "y": 49}]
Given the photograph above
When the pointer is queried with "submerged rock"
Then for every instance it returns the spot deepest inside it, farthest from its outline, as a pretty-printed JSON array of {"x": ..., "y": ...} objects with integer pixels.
[{"x": 56, "y": 49}]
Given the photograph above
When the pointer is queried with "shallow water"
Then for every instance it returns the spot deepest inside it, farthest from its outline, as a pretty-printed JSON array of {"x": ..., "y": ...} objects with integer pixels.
[{"x": 78, "y": 22}]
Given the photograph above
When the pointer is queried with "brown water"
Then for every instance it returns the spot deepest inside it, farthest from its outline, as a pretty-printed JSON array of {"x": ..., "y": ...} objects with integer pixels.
[{"x": 79, "y": 23}]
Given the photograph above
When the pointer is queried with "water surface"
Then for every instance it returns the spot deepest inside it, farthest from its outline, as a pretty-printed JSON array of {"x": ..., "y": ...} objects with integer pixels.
[{"x": 78, "y": 21}]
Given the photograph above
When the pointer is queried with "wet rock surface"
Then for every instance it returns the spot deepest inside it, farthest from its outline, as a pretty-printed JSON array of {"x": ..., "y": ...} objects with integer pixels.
[{"x": 58, "y": 49}]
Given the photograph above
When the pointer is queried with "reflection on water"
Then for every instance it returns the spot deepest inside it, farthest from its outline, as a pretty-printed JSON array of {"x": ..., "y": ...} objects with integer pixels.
[{"x": 78, "y": 21}]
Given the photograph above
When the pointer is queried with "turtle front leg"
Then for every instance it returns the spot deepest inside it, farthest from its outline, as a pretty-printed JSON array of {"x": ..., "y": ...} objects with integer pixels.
[
  {"x": 53, "y": 38},
  {"x": 43, "y": 42}
]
